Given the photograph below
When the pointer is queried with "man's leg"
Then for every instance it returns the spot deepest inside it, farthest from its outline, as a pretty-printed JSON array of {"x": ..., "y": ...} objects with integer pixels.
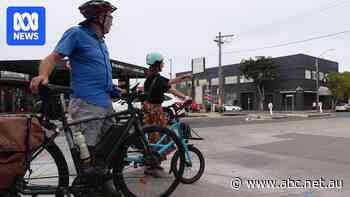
[
  {"x": 93, "y": 131},
  {"x": 108, "y": 188}
]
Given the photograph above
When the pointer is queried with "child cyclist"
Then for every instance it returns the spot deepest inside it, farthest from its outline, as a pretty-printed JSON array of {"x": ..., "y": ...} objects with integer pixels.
[{"x": 155, "y": 86}]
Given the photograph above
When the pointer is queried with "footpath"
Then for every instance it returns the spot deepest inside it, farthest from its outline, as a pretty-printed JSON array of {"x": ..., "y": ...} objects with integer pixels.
[{"x": 263, "y": 115}]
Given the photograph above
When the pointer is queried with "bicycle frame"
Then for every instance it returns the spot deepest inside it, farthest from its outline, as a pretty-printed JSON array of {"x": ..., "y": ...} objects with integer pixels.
[
  {"x": 133, "y": 120},
  {"x": 176, "y": 128}
]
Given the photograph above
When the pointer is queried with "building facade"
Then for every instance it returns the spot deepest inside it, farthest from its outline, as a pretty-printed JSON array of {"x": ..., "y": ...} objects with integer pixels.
[
  {"x": 15, "y": 76},
  {"x": 295, "y": 88}
]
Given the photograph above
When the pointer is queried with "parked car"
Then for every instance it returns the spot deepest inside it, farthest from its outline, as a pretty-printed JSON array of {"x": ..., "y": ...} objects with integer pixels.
[
  {"x": 169, "y": 100},
  {"x": 228, "y": 107},
  {"x": 342, "y": 107},
  {"x": 195, "y": 107}
]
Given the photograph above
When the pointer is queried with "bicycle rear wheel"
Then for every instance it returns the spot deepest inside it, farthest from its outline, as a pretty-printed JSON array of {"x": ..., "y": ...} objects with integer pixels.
[
  {"x": 129, "y": 171},
  {"x": 49, "y": 170}
]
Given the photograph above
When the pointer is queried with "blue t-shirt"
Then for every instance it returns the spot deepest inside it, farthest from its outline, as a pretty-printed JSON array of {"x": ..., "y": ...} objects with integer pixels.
[{"x": 91, "y": 69}]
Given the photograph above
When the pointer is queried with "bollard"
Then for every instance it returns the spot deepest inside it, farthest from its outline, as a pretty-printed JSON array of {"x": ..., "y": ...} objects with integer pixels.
[{"x": 270, "y": 106}]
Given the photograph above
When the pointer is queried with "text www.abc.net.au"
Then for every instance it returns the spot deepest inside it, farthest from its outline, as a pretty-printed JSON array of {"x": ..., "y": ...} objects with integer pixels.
[{"x": 237, "y": 183}]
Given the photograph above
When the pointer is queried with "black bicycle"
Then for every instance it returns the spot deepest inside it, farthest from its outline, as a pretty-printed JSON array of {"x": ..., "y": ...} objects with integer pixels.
[{"x": 126, "y": 159}]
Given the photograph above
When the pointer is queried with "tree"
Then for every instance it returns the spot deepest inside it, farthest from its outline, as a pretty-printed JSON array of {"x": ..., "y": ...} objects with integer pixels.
[
  {"x": 261, "y": 69},
  {"x": 339, "y": 85}
]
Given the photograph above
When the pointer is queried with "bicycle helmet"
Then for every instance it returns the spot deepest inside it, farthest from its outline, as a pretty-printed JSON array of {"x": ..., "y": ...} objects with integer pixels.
[
  {"x": 154, "y": 57},
  {"x": 92, "y": 9}
]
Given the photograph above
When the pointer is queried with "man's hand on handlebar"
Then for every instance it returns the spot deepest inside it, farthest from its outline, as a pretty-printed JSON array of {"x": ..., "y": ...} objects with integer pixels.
[{"x": 36, "y": 81}]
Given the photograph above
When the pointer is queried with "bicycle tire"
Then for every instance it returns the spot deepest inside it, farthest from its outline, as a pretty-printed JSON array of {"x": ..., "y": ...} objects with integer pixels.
[
  {"x": 119, "y": 165},
  {"x": 200, "y": 172},
  {"x": 60, "y": 162}
]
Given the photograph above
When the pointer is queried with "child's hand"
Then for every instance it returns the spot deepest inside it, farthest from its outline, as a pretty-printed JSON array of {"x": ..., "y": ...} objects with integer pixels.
[
  {"x": 122, "y": 91},
  {"x": 186, "y": 77}
]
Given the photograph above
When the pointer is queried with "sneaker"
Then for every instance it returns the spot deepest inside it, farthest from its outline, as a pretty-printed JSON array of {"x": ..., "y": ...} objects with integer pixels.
[{"x": 157, "y": 172}]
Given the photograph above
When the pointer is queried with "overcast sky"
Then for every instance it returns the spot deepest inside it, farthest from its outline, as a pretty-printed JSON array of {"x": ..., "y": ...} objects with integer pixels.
[{"x": 184, "y": 29}]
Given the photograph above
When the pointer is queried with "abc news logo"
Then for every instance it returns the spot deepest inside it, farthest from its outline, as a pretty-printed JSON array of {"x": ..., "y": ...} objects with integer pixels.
[{"x": 26, "y": 26}]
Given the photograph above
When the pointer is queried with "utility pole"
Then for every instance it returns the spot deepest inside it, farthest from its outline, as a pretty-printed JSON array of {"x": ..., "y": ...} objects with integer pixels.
[
  {"x": 221, "y": 80},
  {"x": 317, "y": 84},
  {"x": 171, "y": 68},
  {"x": 318, "y": 78}
]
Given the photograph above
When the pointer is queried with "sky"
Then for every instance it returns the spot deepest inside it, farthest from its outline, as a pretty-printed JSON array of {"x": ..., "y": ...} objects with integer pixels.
[{"x": 186, "y": 29}]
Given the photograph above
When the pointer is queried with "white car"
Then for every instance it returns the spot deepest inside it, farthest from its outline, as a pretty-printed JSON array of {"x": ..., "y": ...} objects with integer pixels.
[
  {"x": 232, "y": 108},
  {"x": 169, "y": 100},
  {"x": 342, "y": 107}
]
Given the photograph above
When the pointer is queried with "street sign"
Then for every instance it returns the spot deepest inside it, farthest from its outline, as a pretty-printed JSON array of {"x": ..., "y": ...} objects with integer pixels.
[{"x": 198, "y": 65}]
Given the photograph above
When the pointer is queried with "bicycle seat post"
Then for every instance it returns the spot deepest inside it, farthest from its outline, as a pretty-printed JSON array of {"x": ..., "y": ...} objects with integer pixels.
[{"x": 64, "y": 109}]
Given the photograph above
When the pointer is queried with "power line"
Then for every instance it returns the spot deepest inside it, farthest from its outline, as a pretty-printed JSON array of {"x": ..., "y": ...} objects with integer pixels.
[
  {"x": 306, "y": 13},
  {"x": 289, "y": 43}
]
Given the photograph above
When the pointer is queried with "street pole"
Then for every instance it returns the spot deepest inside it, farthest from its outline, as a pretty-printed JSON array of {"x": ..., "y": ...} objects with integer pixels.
[
  {"x": 193, "y": 83},
  {"x": 171, "y": 68},
  {"x": 317, "y": 84},
  {"x": 221, "y": 92},
  {"x": 221, "y": 80},
  {"x": 318, "y": 78}
]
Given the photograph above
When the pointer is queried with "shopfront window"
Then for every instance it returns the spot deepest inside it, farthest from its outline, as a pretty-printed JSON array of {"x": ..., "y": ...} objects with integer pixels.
[{"x": 13, "y": 99}]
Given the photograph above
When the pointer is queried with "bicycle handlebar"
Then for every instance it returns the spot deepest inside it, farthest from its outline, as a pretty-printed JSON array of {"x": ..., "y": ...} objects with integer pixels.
[
  {"x": 178, "y": 108},
  {"x": 45, "y": 91},
  {"x": 48, "y": 92}
]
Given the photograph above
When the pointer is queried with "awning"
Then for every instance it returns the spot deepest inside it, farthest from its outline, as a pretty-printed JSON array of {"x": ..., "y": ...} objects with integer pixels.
[
  {"x": 61, "y": 74},
  {"x": 324, "y": 91}
]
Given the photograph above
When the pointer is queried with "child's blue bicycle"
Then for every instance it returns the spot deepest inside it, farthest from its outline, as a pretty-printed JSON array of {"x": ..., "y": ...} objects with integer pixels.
[
  {"x": 165, "y": 148},
  {"x": 194, "y": 162}
]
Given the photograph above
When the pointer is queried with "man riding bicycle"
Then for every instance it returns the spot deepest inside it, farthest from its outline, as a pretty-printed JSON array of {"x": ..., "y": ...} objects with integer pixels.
[{"x": 91, "y": 75}]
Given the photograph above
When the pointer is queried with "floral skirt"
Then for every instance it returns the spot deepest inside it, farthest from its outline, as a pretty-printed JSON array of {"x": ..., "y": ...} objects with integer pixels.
[{"x": 153, "y": 114}]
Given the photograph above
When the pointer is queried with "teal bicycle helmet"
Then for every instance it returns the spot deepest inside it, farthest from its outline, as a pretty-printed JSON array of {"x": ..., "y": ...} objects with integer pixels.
[{"x": 154, "y": 57}]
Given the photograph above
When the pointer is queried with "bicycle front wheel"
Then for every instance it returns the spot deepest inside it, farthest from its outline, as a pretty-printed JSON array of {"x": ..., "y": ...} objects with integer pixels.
[
  {"x": 194, "y": 165},
  {"x": 133, "y": 170},
  {"x": 49, "y": 169}
]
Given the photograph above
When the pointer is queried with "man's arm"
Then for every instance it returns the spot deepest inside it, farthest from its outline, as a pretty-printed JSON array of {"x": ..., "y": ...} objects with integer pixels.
[
  {"x": 45, "y": 69},
  {"x": 48, "y": 64}
]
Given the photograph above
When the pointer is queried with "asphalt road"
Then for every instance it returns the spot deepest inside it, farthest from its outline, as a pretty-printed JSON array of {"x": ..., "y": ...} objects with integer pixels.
[
  {"x": 231, "y": 121},
  {"x": 204, "y": 122},
  {"x": 279, "y": 150},
  {"x": 343, "y": 114},
  {"x": 309, "y": 150}
]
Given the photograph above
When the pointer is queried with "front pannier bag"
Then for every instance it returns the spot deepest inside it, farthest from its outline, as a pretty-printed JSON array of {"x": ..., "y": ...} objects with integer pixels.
[{"x": 19, "y": 136}]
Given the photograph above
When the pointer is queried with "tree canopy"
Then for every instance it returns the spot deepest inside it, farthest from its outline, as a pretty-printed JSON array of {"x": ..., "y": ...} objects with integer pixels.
[
  {"x": 260, "y": 69},
  {"x": 339, "y": 85}
]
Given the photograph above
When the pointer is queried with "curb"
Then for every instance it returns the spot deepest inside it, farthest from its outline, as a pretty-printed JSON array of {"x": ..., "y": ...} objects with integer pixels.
[
  {"x": 265, "y": 117},
  {"x": 234, "y": 114},
  {"x": 321, "y": 115},
  {"x": 196, "y": 115},
  {"x": 261, "y": 116},
  {"x": 310, "y": 115}
]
